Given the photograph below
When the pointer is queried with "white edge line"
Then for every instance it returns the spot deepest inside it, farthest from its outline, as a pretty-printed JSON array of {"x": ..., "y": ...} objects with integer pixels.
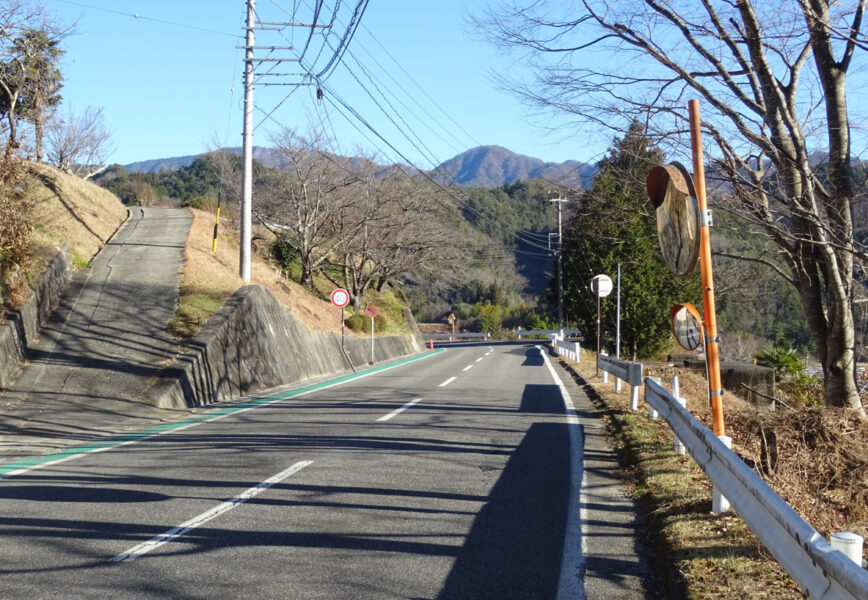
[
  {"x": 447, "y": 382},
  {"x": 398, "y": 411},
  {"x": 571, "y": 584},
  {"x": 199, "y": 520},
  {"x": 58, "y": 461}
]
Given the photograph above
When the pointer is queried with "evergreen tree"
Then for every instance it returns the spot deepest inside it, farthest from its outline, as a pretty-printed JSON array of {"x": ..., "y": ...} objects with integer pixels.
[
  {"x": 616, "y": 223},
  {"x": 41, "y": 57}
]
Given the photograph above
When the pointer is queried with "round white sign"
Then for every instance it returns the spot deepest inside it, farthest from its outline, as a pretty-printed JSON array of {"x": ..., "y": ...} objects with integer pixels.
[
  {"x": 601, "y": 285},
  {"x": 340, "y": 297}
]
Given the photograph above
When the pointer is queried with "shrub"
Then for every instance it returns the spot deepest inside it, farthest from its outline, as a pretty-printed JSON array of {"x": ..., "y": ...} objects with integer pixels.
[
  {"x": 361, "y": 322},
  {"x": 284, "y": 252},
  {"x": 491, "y": 318},
  {"x": 785, "y": 361},
  {"x": 15, "y": 225}
]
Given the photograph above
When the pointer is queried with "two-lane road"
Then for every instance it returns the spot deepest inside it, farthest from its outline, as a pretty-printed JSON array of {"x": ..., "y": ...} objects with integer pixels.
[{"x": 453, "y": 476}]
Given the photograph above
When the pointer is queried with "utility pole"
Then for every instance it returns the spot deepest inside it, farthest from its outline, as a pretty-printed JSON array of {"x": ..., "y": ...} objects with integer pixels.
[
  {"x": 247, "y": 148},
  {"x": 560, "y": 202},
  {"x": 250, "y": 79}
]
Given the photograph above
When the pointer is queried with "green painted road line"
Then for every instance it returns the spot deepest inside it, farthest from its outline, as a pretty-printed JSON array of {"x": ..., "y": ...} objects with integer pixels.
[{"x": 26, "y": 464}]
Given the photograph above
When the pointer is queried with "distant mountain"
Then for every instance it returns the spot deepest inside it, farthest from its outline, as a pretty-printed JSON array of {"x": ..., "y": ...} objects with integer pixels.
[
  {"x": 485, "y": 166},
  {"x": 493, "y": 166},
  {"x": 267, "y": 156},
  {"x": 161, "y": 164}
]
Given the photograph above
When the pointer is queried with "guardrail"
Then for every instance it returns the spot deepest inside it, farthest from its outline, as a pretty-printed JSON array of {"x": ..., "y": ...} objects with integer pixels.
[
  {"x": 569, "y": 349},
  {"x": 819, "y": 570},
  {"x": 626, "y": 371},
  {"x": 522, "y": 332},
  {"x": 441, "y": 336}
]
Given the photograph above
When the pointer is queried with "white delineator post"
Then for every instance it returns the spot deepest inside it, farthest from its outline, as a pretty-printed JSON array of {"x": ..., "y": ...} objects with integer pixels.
[
  {"x": 677, "y": 444},
  {"x": 719, "y": 504}
]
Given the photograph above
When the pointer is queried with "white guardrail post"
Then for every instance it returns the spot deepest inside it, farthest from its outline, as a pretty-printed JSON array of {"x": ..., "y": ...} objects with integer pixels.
[
  {"x": 821, "y": 571},
  {"x": 569, "y": 349}
]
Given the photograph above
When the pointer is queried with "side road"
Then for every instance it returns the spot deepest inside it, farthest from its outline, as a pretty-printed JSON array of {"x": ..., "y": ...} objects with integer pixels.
[{"x": 103, "y": 344}]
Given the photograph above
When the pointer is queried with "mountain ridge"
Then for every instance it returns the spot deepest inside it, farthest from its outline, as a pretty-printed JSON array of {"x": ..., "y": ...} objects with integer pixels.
[{"x": 482, "y": 166}]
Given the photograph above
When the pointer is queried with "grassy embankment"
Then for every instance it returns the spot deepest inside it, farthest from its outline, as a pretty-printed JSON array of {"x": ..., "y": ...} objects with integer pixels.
[
  {"x": 821, "y": 470},
  {"x": 209, "y": 278},
  {"x": 63, "y": 210}
]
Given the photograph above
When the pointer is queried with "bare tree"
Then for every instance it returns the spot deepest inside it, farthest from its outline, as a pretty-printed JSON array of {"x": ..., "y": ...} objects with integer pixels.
[
  {"x": 308, "y": 200},
  {"x": 79, "y": 143},
  {"x": 403, "y": 234},
  {"x": 773, "y": 80}
]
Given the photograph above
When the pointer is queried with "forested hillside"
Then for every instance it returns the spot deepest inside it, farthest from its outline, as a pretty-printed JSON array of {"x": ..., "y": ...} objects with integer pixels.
[{"x": 495, "y": 251}]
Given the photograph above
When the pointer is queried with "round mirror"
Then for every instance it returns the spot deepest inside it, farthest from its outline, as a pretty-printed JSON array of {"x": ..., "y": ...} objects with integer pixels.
[
  {"x": 670, "y": 189},
  {"x": 687, "y": 326}
]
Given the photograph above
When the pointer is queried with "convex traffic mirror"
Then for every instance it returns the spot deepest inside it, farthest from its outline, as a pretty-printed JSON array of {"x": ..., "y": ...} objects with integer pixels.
[
  {"x": 687, "y": 326},
  {"x": 671, "y": 191}
]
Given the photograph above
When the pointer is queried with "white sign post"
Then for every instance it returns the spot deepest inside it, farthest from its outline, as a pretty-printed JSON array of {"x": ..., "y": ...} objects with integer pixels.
[
  {"x": 601, "y": 285},
  {"x": 340, "y": 298}
]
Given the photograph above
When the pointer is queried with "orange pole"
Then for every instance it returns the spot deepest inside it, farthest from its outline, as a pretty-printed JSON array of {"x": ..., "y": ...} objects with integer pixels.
[{"x": 712, "y": 341}]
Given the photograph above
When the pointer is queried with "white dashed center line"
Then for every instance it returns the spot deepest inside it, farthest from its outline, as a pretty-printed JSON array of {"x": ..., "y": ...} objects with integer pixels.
[
  {"x": 467, "y": 368},
  {"x": 398, "y": 411},
  {"x": 447, "y": 382},
  {"x": 176, "y": 532}
]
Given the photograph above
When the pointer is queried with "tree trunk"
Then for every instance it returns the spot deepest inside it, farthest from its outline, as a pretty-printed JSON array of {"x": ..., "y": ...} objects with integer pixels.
[
  {"x": 306, "y": 275},
  {"x": 37, "y": 125}
]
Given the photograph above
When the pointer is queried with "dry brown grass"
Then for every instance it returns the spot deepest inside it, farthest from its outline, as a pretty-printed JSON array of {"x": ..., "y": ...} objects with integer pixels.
[
  {"x": 63, "y": 209},
  {"x": 72, "y": 211},
  {"x": 213, "y": 277}
]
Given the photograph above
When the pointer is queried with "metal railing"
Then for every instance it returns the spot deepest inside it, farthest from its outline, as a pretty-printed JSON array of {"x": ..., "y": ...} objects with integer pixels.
[
  {"x": 521, "y": 332},
  {"x": 819, "y": 570},
  {"x": 569, "y": 349},
  {"x": 446, "y": 336},
  {"x": 626, "y": 371}
]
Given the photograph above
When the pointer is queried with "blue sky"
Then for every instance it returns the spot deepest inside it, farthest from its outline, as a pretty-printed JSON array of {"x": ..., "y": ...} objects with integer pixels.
[{"x": 170, "y": 90}]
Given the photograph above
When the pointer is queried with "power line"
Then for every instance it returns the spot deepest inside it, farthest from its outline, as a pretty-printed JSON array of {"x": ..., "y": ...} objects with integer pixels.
[{"x": 151, "y": 19}]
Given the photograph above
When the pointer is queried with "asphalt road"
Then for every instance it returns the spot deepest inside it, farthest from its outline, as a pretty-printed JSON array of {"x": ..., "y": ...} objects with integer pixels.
[{"x": 483, "y": 486}]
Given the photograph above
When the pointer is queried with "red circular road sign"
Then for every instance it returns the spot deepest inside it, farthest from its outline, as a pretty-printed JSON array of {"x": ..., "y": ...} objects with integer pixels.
[{"x": 340, "y": 297}]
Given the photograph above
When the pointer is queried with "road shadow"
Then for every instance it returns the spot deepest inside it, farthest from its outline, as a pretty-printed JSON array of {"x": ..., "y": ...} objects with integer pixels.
[{"x": 513, "y": 550}]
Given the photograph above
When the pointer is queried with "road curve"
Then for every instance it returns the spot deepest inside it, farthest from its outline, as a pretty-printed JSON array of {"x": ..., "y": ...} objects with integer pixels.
[{"x": 445, "y": 477}]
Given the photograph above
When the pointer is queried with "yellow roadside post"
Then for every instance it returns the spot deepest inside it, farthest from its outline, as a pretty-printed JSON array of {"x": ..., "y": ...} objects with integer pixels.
[{"x": 216, "y": 225}]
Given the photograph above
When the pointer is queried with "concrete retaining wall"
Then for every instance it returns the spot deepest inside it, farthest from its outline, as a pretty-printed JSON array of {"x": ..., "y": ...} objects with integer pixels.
[
  {"x": 734, "y": 374},
  {"x": 254, "y": 343},
  {"x": 21, "y": 326}
]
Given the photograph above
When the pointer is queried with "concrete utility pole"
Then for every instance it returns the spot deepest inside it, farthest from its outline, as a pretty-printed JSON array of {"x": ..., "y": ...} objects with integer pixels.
[
  {"x": 560, "y": 202},
  {"x": 247, "y": 148},
  {"x": 250, "y": 78}
]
